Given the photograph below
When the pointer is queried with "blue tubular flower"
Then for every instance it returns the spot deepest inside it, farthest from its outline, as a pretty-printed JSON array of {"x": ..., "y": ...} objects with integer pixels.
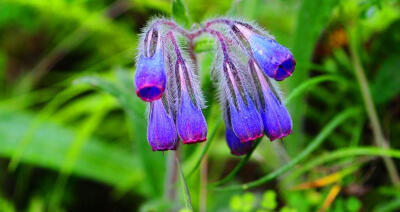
[
  {"x": 274, "y": 59},
  {"x": 276, "y": 119},
  {"x": 237, "y": 148},
  {"x": 191, "y": 124},
  {"x": 244, "y": 117},
  {"x": 161, "y": 132},
  {"x": 150, "y": 77}
]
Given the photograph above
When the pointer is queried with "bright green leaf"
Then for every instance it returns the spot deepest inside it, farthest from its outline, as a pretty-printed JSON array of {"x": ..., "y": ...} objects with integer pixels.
[{"x": 180, "y": 14}]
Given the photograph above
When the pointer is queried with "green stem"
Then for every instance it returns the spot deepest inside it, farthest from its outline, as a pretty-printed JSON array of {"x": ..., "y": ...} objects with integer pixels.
[
  {"x": 242, "y": 162},
  {"x": 185, "y": 189},
  {"x": 205, "y": 149},
  {"x": 326, "y": 131},
  {"x": 171, "y": 176},
  {"x": 314, "y": 81},
  {"x": 379, "y": 139},
  {"x": 344, "y": 153}
]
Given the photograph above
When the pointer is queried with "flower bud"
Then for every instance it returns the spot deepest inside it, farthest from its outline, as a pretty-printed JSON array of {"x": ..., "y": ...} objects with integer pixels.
[
  {"x": 244, "y": 117},
  {"x": 274, "y": 59},
  {"x": 150, "y": 77},
  {"x": 276, "y": 119},
  {"x": 191, "y": 124},
  {"x": 161, "y": 132},
  {"x": 237, "y": 148}
]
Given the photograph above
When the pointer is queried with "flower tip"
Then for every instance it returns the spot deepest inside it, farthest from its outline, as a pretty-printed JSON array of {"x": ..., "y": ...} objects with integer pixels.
[
  {"x": 249, "y": 139},
  {"x": 161, "y": 132},
  {"x": 162, "y": 148},
  {"x": 190, "y": 122},
  {"x": 235, "y": 145},
  {"x": 195, "y": 140},
  {"x": 150, "y": 77},
  {"x": 246, "y": 121},
  {"x": 275, "y": 60},
  {"x": 279, "y": 136},
  {"x": 285, "y": 69},
  {"x": 149, "y": 93}
]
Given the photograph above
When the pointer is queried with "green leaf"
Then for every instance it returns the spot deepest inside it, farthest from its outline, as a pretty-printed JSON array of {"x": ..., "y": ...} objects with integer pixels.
[
  {"x": 392, "y": 205},
  {"x": 269, "y": 200},
  {"x": 236, "y": 203},
  {"x": 385, "y": 85},
  {"x": 344, "y": 153},
  {"x": 5, "y": 205},
  {"x": 353, "y": 204},
  {"x": 299, "y": 90},
  {"x": 180, "y": 14},
  {"x": 314, "y": 144},
  {"x": 50, "y": 143},
  {"x": 152, "y": 162},
  {"x": 248, "y": 200},
  {"x": 313, "y": 17},
  {"x": 287, "y": 209}
]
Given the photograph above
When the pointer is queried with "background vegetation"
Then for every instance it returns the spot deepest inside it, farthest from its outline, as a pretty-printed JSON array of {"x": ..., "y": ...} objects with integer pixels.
[{"x": 72, "y": 131}]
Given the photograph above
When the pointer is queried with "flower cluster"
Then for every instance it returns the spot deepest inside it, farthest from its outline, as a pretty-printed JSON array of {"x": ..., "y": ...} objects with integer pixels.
[{"x": 247, "y": 58}]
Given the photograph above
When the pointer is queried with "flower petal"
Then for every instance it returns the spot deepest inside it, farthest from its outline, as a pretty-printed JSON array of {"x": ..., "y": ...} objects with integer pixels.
[
  {"x": 275, "y": 60},
  {"x": 191, "y": 124},
  {"x": 161, "y": 132},
  {"x": 276, "y": 119},
  {"x": 237, "y": 148},
  {"x": 150, "y": 77},
  {"x": 246, "y": 121}
]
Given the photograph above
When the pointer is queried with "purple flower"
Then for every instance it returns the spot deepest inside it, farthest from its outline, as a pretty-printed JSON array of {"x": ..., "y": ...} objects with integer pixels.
[
  {"x": 276, "y": 119},
  {"x": 150, "y": 77},
  {"x": 167, "y": 78},
  {"x": 191, "y": 124},
  {"x": 237, "y": 148},
  {"x": 274, "y": 59},
  {"x": 244, "y": 117},
  {"x": 161, "y": 132}
]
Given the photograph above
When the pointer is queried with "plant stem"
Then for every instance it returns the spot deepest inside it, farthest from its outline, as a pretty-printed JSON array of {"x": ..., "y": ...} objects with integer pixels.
[
  {"x": 238, "y": 167},
  {"x": 185, "y": 189},
  {"x": 203, "y": 184},
  {"x": 172, "y": 176},
  {"x": 379, "y": 139},
  {"x": 207, "y": 145}
]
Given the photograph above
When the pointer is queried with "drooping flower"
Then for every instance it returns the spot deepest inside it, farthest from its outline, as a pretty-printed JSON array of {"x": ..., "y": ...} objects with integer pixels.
[
  {"x": 166, "y": 79},
  {"x": 191, "y": 124},
  {"x": 150, "y": 77},
  {"x": 274, "y": 59},
  {"x": 161, "y": 132},
  {"x": 235, "y": 145},
  {"x": 244, "y": 118},
  {"x": 276, "y": 119},
  {"x": 237, "y": 148}
]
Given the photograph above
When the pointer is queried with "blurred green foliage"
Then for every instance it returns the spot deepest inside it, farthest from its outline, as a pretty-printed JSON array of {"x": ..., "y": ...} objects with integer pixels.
[{"x": 72, "y": 131}]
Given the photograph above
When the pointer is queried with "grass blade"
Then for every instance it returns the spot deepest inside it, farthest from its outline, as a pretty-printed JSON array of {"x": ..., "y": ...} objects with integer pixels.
[{"x": 325, "y": 132}]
